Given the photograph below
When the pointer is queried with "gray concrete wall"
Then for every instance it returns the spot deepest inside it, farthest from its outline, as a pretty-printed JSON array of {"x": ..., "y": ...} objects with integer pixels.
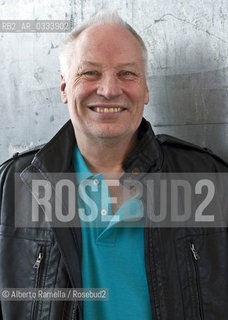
[{"x": 188, "y": 77}]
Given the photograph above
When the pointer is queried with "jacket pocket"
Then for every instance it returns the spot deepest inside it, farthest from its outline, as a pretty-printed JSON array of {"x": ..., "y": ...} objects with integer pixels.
[
  {"x": 30, "y": 258},
  {"x": 202, "y": 259},
  {"x": 40, "y": 269},
  {"x": 19, "y": 250},
  {"x": 196, "y": 275}
]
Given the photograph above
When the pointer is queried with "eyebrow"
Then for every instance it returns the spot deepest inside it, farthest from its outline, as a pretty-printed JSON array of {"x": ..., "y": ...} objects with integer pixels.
[{"x": 128, "y": 64}]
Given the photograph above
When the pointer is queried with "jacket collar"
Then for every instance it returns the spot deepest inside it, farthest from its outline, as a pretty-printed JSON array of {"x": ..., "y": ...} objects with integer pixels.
[
  {"x": 57, "y": 154},
  {"x": 147, "y": 155}
]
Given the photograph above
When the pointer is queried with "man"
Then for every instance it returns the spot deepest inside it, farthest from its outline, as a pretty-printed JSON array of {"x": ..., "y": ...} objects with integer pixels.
[{"x": 151, "y": 273}]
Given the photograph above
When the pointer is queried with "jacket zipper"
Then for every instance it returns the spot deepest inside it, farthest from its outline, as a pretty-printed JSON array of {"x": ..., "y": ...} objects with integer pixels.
[
  {"x": 195, "y": 260},
  {"x": 38, "y": 261},
  {"x": 37, "y": 267}
]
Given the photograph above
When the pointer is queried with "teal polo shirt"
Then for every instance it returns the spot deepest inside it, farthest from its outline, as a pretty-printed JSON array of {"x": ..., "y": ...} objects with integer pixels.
[{"x": 112, "y": 249}]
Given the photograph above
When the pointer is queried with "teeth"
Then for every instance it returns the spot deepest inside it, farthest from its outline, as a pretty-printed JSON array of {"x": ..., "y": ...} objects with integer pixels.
[{"x": 105, "y": 110}]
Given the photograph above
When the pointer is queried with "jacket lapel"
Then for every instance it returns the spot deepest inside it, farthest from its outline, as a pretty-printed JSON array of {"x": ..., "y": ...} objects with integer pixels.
[{"x": 56, "y": 157}]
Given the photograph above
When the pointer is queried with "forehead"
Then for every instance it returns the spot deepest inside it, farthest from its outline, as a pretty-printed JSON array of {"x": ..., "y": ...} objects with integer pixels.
[{"x": 107, "y": 42}]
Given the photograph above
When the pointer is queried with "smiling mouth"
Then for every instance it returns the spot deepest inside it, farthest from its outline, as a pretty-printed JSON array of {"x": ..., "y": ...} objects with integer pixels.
[{"x": 107, "y": 109}]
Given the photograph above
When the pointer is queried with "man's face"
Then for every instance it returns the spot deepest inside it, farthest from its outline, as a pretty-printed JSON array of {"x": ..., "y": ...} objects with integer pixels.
[{"x": 106, "y": 87}]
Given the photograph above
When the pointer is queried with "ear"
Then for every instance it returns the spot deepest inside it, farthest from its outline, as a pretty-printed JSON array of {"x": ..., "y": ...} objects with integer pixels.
[
  {"x": 62, "y": 89},
  {"x": 146, "y": 99}
]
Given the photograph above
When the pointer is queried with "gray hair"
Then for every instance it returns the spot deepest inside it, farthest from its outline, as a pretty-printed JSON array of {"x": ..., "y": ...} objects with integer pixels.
[{"x": 102, "y": 17}]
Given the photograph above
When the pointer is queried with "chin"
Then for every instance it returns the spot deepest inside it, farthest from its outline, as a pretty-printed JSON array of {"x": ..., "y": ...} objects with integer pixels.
[
  {"x": 108, "y": 131},
  {"x": 108, "y": 135}
]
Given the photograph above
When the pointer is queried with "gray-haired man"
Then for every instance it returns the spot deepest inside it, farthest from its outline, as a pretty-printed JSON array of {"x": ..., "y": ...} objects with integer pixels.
[{"x": 150, "y": 272}]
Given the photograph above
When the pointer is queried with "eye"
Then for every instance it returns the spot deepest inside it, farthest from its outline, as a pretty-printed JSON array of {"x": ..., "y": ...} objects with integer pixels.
[
  {"x": 90, "y": 73},
  {"x": 127, "y": 74}
]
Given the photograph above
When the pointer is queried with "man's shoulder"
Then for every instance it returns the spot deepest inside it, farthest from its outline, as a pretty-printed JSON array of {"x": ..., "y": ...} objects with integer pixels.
[
  {"x": 16, "y": 164},
  {"x": 172, "y": 141},
  {"x": 19, "y": 160},
  {"x": 183, "y": 150}
]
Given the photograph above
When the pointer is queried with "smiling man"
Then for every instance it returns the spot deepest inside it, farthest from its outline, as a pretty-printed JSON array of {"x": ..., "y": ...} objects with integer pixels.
[
  {"x": 150, "y": 272},
  {"x": 105, "y": 88}
]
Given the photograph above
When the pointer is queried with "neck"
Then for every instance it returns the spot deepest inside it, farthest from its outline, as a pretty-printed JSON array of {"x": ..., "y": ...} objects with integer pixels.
[{"x": 105, "y": 155}]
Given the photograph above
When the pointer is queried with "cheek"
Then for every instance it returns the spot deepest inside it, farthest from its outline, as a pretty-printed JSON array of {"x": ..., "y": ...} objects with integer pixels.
[
  {"x": 136, "y": 91},
  {"x": 82, "y": 92}
]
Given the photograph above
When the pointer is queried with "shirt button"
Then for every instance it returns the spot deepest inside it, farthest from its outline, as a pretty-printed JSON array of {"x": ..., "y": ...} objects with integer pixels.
[
  {"x": 104, "y": 212},
  {"x": 96, "y": 182}
]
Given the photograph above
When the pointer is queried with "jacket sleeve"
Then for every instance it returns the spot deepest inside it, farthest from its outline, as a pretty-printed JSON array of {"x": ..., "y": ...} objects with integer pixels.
[{"x": 3, "y": 174}]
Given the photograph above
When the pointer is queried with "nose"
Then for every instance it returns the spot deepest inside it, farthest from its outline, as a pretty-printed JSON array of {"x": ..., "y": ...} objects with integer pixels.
[{"x": 109, "y": 86}]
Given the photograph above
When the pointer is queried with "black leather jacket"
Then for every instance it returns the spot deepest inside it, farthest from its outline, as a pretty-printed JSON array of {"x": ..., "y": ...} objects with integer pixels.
[{"x": 180, "y": 287}]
